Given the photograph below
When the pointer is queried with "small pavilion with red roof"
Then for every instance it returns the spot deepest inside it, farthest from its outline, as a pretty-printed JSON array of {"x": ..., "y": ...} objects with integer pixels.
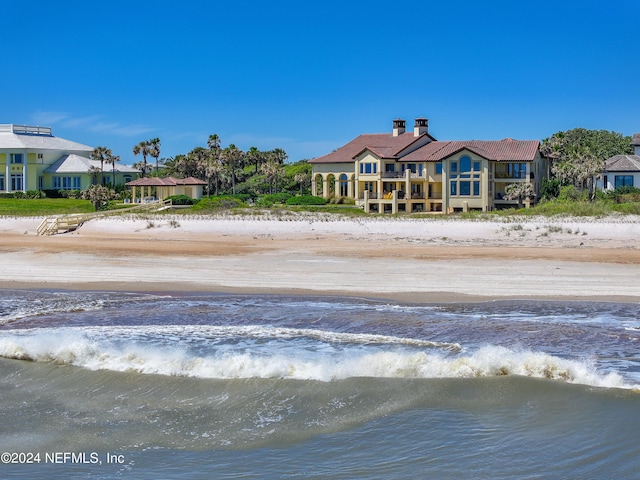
[{"x": 161, "y": 188}]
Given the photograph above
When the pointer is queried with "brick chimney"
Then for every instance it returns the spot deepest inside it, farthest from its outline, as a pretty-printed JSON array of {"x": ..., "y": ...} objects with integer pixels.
[
  {"x": 399, "y": 127},
  {"x": 421, "y": 126}
]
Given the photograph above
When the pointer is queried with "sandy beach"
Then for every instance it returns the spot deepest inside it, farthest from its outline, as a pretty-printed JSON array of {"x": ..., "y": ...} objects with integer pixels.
[{"x": 416, "y": 260}]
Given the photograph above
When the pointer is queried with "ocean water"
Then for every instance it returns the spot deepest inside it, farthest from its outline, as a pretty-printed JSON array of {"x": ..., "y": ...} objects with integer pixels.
[{"x": 133, "y": 385}]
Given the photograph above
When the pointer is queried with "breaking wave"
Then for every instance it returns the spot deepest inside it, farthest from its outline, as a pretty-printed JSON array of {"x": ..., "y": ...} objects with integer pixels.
[{"x": 288, "y": 353}]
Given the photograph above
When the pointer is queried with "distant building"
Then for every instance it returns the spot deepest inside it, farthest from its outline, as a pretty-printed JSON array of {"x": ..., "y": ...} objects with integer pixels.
[
  {"x": 161, "y": 188},
  {"x": 413, "y": 172},
  {"x": 622, "y": 170},
  {"x": 32, "y": 158}
]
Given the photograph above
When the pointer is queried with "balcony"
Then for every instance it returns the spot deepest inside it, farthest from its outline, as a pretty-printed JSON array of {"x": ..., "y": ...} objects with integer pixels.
[{"x": 403, "y": 175}]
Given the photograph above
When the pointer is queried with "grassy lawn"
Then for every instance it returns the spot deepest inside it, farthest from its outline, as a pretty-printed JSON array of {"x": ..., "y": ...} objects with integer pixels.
[
  {"x": 43, "y": 206},
  {"x": 58, "y": 206}
]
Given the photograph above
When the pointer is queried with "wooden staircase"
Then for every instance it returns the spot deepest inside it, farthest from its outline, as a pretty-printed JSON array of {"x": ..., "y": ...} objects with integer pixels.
[{"x": 69, "y": 223}]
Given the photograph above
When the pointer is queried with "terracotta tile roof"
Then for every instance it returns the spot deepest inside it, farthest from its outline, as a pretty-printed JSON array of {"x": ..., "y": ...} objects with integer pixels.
[
  {"x": 388, "y": 146},
  {"x": 384, "y": 145},
  {"x": 164, "y": 182},
  {"x": 496, "y": 150},
  {"x": 623, "y": 163}
]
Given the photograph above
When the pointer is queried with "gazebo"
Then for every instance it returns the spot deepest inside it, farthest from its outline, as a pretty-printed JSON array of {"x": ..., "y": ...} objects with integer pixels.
[{"x": 162, "y": 188}]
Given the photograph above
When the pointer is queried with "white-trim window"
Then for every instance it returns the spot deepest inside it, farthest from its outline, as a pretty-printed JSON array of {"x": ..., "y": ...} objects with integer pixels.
[
  {"x": 17, "y": 158},
  {"x": 17, "y": 182},
  {"x": 66, "y": 183},
  {"x": 465, "y": 178},
  {"x": 40, "y": 160},
  {"x": 369, "y": 168}
]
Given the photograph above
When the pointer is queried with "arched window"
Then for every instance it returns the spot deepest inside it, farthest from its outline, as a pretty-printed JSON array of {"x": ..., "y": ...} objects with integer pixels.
[{"x": 344, "y": 185}]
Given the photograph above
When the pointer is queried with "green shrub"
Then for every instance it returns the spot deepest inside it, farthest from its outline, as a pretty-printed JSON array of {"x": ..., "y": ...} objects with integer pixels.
[
  {"x": 31, "y": 194},
  {"x": 571, "y": 194},
  {"x": 306, "y": 200},
  {"x": 71, "y": 193},
  {"x": 625, "y": 194},
  {"x": 273, "y": 199},
  {"x": 218, "y": 203},
  {"x": 182, "y": 200},
  {"x": 550, "y": 188}
]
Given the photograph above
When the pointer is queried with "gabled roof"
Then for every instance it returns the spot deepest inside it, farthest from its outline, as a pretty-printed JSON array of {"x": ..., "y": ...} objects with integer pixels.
[
  {"x": 495, "y": 150},
  {"x": 164, "y": 182},
  {"x": 28, "y": 141},
  {"x": 623, "y": 163},
  {"x": 78, "y": 164},
  {"x": 385, "y": 145}
]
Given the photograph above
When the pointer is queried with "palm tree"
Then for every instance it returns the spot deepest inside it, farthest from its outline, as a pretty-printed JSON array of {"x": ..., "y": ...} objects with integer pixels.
[
  {"x": 113, "y": 159},
  {"x": 272, "y": 170},
  {"x": 232, "y": 158},
  {"x": 303, "y": 179},
  {"x": 154, "y": 151},
  {"x": 213, "y": 165},
  {"x": 214, "y": 142},
  {"x": 100, "y": 154},
  {"x": 255, "y": 157},
  {"x": 278, "y": 155},
  {"x": 142, "y": 148},
  {"x": 93, "y": 171}
]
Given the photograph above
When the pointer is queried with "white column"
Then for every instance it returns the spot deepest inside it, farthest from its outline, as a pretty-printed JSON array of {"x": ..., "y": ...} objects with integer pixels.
[
  {"x": 7, "y": 174},
  {"x": 25, "y": 164}
]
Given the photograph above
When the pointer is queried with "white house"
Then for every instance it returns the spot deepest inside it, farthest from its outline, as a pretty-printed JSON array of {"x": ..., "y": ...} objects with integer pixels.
[{"x": 622, "y": 170}]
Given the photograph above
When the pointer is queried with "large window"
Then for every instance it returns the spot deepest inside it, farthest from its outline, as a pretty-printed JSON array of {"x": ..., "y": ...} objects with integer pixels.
[
  {"x": 368, "y": 168},
  {"x": 16, "y": 158},
  {"x": 465, "y": 177},
  {"x": 66, "y": 183},
  {"x": 414, "y": 167},
  {"x": 624, "y": 181},
  {"x": 511, "y": 170}
]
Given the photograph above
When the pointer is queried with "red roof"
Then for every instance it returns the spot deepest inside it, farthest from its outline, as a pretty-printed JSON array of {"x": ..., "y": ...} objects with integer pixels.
[
  {"x": 496, "y": 150},
  {"x": 385, "y": 145},
  {"x": 164, "y": 182}
]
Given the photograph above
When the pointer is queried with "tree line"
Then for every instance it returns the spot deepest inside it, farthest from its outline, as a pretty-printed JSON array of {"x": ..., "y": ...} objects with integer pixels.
[
  {"x": 231, "y": 170},
  {"x": 228, "y": 170},
  {"x": 577, "y": 158}
]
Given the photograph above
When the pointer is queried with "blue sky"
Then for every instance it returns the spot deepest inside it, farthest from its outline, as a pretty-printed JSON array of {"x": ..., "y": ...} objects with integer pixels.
[{"x": 309, "y": 76}]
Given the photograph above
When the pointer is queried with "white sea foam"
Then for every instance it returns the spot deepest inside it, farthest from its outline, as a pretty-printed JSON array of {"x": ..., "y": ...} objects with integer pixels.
[{"x": 262, "y": 352}]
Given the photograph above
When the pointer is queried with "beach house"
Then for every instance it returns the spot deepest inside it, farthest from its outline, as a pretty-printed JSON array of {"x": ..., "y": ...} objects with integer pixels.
[
  {"x": 411, "y": 171},
  {"x": 32, "y": 158},
  {"x": 622, "y": 170}
]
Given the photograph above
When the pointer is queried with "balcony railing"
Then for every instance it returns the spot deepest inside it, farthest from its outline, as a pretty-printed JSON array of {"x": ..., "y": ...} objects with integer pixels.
[
  {"x": 510, "y": 175},
  {"x": 404, "y": 174},
  {"x": 389, "y": 196},
  {"x": 25, "y": 129}
]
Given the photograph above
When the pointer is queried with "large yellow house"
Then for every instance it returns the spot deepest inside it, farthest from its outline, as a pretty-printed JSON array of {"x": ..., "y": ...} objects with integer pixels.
[
  {"x": 413, "y": 172},
  {"x": 32, "y": 158}
]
